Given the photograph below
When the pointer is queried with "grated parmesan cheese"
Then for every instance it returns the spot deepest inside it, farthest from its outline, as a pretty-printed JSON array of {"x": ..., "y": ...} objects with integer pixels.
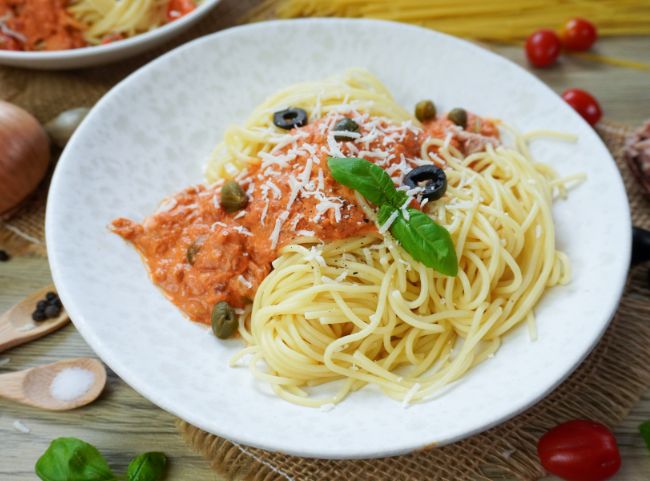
[
  {"x": 341, "y": 276},
  {"x": 404, "y": 209},
  {"x": 275, "y": 235},
  {"x": 169, "y": 204},
  {"x": 245, "y": 281},
  {"x": 277, "y": 193},
  {"x": 384, "y": 228},
  {"x": 21, "y": 427},
  {"x": 243, "y": 230},
  {"x": 264, "y": 212},
  {"x": 231, "y": 169},
  {"x": 333, "y": 145},
  {"x": 315, "y": 254}
]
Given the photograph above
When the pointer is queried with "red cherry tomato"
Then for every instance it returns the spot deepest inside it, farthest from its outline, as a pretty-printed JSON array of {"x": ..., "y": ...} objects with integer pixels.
[
  {"x": 585, "y": 104},
  {"x": 578, "y": 34},
  {"x": 177, "y": 8},
  {"x": 7, "y": 42},
  {"x": 580, "y": 451},
  {"x": 543, "y": 47}
]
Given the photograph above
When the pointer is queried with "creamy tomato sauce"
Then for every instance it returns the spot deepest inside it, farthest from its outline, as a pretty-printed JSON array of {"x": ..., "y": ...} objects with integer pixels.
[
  {"x": 199, "y": 254},
  {"x": 38, "y": 25}
]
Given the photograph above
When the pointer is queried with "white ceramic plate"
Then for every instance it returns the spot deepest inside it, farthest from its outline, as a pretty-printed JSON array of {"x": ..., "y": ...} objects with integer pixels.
[
  {"x": 102, "y": 54},
  {"x": 150, "y": 136}
]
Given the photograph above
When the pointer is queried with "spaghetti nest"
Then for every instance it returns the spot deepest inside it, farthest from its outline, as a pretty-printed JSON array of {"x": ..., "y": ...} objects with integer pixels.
[{"x": 360, "y": 310}]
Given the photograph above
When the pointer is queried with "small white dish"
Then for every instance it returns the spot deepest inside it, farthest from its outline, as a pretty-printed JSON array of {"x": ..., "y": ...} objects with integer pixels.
[
  {"x": 150, "y": 136},
  {"x": 103, "y": 54}
]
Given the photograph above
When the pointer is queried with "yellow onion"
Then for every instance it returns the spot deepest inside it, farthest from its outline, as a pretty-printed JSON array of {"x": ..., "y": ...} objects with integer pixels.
[{"x": 24, "y": 155}]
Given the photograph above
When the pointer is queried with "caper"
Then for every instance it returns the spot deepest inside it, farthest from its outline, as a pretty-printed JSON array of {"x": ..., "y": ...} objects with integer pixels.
[
  {"x": 224, "y": 321},
  {"x": 345, "y": 125},
  {"x": 458, "y": 116},
  {"x": 192, "y": 252},
  {"x": 233, "y": 197},
  {"x": 425, "y": 110}
]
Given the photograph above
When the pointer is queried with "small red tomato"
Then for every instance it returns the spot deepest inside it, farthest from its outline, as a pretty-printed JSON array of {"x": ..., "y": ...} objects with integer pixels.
[
  {"x": 543, "y": 47},
  {"x": 177, "y": 8},
  {"x": 7, "y": 42},
  {"x": 578, "y": 34},
  {"x": 580, "y": 451},
  {"x": 585, "y": 104}
]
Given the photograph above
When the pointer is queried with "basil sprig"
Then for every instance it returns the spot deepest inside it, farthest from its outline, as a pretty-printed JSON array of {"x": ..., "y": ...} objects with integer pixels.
[
  {"x": 71, "y": 459},
  {"x": 426, "y": 241}
]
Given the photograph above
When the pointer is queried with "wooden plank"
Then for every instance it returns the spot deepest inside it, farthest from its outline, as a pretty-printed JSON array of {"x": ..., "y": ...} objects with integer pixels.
[{"x": 122, "y": 423}]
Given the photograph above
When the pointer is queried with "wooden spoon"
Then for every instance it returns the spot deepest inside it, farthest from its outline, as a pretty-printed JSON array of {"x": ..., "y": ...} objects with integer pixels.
[
  {"x": 32, "y": 386},
  {"x": 17, "y": 327}
]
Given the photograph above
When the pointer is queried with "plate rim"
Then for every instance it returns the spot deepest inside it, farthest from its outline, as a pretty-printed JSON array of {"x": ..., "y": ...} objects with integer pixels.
[{"x": 125, "y": 373}]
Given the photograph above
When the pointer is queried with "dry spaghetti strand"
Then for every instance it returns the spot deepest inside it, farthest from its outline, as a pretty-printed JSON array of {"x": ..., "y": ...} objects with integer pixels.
[{"x": 495, "y": 20}]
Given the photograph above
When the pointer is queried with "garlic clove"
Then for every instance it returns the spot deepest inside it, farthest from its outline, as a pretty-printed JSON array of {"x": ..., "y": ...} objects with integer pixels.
[{"x": 61, "y": 127}]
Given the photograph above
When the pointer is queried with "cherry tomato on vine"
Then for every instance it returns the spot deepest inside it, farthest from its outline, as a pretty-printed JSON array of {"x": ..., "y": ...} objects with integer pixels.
[
  {"x": 585, "y": 104},
  {"x": 543, "y": 47},
  {"x": 177, "y": 8},
  {"x": 578, "y": 34},
  {"x": 580, "y": 451}
]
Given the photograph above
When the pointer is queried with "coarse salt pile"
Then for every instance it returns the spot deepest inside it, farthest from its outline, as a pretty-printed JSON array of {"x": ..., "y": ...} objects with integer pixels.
[{"x": 71, "y": 383}]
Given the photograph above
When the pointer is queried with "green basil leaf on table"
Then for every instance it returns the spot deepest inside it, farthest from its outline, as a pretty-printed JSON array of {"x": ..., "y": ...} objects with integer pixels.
[
  {"x": 71, "y": 459},
  {"x": 368, "y": 179},
  {"x": 644, "y": 429},
  {"x": 426, "y": 241},
  {"x": 147, "y": 467}
]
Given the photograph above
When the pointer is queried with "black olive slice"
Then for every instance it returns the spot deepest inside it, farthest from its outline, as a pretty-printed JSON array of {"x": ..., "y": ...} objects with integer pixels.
[
  {"x": 432, "y": 178},
  {"x": 290, "y": 118}
]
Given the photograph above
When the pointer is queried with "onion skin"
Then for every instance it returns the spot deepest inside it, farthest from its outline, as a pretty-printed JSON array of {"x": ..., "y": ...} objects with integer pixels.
[{"x": 24, "y": 155}]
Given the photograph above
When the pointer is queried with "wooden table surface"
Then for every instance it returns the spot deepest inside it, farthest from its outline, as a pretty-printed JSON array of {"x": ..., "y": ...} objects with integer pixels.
[{"x": 122, "y": 423}]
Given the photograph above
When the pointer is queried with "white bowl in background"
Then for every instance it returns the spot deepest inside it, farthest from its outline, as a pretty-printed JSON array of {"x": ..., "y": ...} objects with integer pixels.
[{"x": 103, "y": 54}]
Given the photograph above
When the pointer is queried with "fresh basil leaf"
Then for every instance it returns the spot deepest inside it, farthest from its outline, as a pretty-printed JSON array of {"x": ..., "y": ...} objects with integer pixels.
[
  {"x": 424, "y": 239},
  {"x": 147, "y": 467},
  {"x": 369, "y": 180},
  {"x": 644, "y": 428},
  {"x": 71, "y": 459}
]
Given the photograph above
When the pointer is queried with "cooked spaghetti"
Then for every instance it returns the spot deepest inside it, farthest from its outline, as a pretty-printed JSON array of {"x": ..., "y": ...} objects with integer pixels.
[
  {"x": 324, "y": 288},
  {"x": 63, "y": 24}
]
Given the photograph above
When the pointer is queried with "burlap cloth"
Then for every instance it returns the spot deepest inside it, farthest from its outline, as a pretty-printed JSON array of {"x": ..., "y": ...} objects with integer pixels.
[{"x": 604, "y": 388}]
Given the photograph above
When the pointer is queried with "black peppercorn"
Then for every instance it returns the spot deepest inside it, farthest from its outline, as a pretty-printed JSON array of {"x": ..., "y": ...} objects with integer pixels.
[
  {"x": 52, "y": 311},
  {"x": 38, "y": 315},
  {"x": 4, "y": 257}
]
